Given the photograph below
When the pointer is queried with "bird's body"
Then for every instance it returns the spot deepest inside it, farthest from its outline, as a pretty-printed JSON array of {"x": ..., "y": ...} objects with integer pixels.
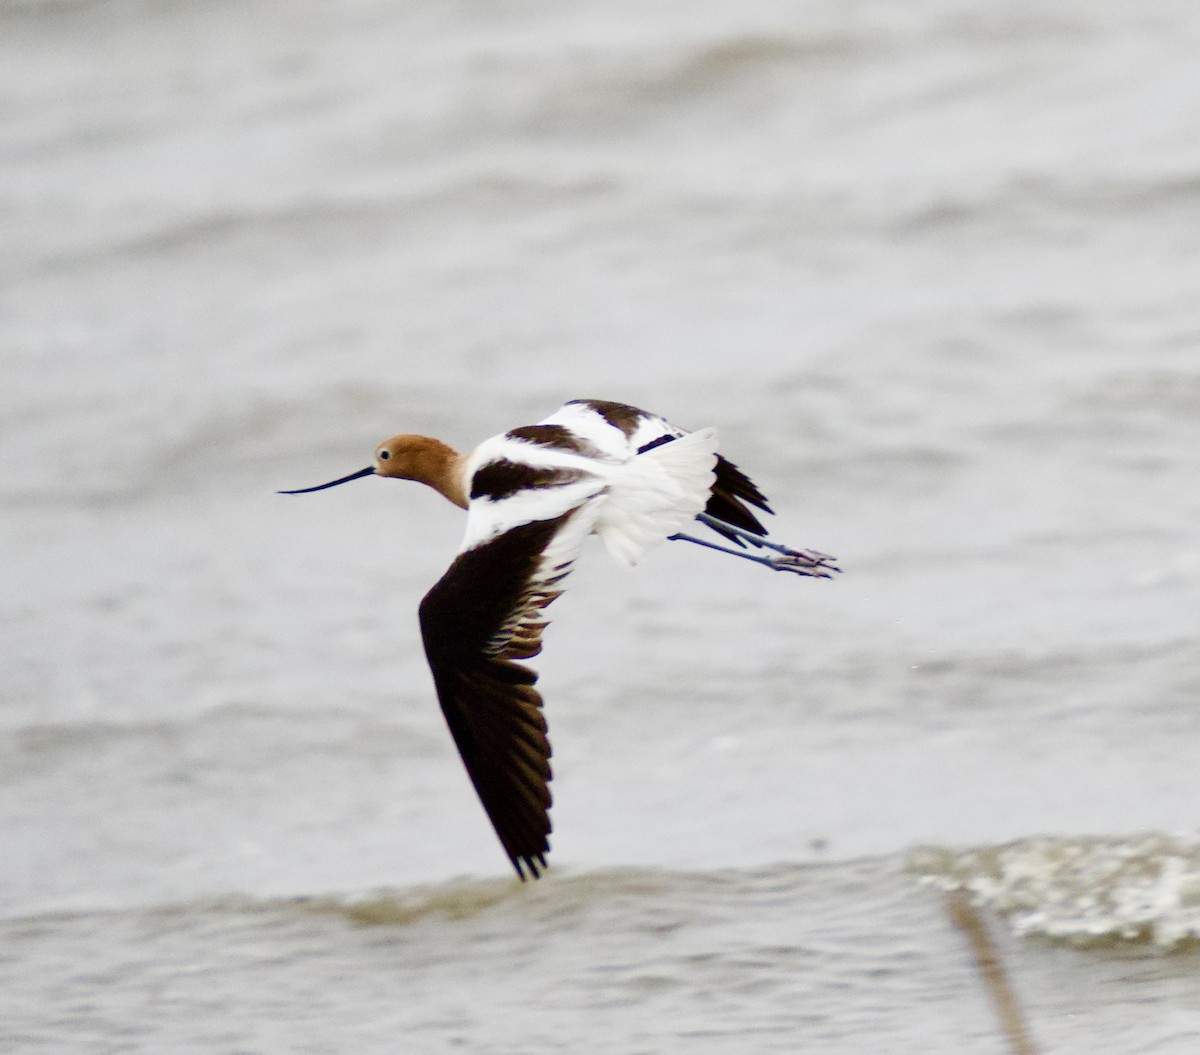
[
  {"x": 532, "y": 496},
  {"x": 577, "y": 461}
]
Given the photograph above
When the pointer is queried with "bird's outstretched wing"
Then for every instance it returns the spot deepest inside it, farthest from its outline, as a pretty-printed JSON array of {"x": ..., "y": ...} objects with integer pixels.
[{"x": 480, "y": 618}]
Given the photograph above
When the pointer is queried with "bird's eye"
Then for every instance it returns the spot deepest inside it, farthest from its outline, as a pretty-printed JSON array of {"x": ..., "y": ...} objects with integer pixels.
[{"x": 384, "y": 455}]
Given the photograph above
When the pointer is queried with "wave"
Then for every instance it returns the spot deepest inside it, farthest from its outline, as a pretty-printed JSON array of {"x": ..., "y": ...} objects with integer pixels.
[
  {"x": 1083, "y": 890},
  {"x": 460, "y": 898},
  {"x": 1086, "y": 891}
]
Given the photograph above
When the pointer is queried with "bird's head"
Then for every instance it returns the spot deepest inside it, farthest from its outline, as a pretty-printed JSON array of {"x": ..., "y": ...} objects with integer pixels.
[{"x": 409, "y": 457}]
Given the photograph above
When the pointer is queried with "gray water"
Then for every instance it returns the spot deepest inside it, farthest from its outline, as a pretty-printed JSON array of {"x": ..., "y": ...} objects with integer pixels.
[{"x": 931, "y": 269}]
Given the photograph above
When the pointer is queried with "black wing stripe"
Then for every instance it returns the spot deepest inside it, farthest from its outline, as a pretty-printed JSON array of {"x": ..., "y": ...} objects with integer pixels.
[
  {"x": 619, "y": 415},
  {"x": 557, "y": 437},
  {"x": 502, "y": 478}
]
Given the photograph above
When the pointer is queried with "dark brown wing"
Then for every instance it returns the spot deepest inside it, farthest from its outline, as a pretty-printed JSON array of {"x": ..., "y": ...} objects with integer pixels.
[
  {"x": 732, "y": 491},
  {"x": 480, "y": 617}
]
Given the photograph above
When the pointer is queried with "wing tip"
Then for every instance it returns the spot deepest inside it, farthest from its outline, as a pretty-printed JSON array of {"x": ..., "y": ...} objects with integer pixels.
[{"x": 536, "y": 863}]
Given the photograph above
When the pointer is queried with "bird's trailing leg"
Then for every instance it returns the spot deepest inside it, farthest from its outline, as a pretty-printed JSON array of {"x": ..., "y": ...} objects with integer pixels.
[
  {"x": 809, "y": 556},
  {"x": 802, "y": 562}
]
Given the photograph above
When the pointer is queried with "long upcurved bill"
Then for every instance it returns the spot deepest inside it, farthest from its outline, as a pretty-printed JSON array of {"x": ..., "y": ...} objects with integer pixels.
[{"x": 368, "y": 471}]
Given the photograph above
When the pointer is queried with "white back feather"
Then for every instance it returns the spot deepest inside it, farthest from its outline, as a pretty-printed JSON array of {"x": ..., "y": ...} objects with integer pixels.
[{"x": 656, "y": 493}]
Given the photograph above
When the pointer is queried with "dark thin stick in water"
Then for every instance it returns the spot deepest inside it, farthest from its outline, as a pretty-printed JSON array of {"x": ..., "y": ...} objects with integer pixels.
[{"x": 991, "y": 969}]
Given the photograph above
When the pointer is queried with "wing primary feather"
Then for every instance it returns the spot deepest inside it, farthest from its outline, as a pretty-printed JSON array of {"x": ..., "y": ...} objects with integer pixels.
[{"x": 733, "y": 491}]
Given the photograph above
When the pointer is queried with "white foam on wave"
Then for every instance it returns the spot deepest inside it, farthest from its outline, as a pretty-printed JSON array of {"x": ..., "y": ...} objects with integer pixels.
[{"x": 1081, "y": 889}]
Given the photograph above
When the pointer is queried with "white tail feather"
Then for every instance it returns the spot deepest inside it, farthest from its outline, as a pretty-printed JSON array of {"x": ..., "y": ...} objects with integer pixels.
[{"x": 655, "y": 494}]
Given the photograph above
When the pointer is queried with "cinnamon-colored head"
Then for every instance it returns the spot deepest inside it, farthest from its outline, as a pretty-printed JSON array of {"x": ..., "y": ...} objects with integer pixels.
[{"x": 409, "y": 457}]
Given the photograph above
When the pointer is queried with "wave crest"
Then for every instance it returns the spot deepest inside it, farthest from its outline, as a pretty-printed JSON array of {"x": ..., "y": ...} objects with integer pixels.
[{"x": 1085, "y": 890}]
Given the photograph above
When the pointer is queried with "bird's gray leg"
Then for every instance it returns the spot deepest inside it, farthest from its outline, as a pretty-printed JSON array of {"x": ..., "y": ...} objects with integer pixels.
[
  {"x": 782, "y": 562},
  {"x": 810, "y": 557}
]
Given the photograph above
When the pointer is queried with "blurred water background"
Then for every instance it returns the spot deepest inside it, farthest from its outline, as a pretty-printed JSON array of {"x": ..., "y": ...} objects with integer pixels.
[{"x": 930, "y": 268}]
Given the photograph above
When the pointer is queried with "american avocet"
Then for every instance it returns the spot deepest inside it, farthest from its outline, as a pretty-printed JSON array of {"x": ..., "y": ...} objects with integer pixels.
[{"x": 532, "y": 495}]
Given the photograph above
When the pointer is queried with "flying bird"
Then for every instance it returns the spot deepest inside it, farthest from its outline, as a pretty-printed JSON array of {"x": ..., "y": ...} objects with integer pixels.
[{"x": 532, "y": 495}]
